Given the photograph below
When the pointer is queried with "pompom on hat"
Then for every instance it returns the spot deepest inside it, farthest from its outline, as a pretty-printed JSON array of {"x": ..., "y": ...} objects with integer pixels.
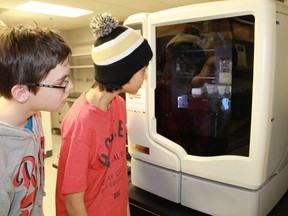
[{"x": 118, "y": 52}]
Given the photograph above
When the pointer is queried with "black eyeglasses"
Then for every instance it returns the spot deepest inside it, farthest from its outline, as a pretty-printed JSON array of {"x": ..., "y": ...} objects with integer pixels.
[{"x": 65, "y": 82}]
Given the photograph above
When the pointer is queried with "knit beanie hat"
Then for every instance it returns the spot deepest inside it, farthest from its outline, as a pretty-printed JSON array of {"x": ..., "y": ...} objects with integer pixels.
[{"x": 118, "y": 52}]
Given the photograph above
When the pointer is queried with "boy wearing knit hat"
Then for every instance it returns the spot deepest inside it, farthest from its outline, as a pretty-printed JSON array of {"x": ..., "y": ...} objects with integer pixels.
[{"x": 92, "y": 174}]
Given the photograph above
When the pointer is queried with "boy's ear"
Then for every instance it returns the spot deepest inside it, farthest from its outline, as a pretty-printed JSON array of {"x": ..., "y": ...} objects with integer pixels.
[{"x": 20, "y": 93}]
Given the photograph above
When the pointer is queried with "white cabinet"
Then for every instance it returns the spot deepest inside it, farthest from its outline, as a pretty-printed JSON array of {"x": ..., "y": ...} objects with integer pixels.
[{"x": 57, "y": 117}]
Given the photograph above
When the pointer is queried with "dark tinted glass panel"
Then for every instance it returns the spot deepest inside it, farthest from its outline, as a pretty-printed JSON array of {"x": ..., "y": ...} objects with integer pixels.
[{"x": 204, "y": 85}]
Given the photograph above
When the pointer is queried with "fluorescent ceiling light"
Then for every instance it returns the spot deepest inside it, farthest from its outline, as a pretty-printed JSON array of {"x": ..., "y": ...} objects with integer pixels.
[{"x": 58, "y": 10}]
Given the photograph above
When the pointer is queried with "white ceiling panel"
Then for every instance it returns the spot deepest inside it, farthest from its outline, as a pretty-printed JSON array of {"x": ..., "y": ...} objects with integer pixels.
[{"x": 121, "y": 9}]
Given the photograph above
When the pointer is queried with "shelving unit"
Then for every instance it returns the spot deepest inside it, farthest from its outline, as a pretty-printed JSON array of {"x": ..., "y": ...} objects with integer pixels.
[
  {"x": 79, "y": 61},
  {"x": 82, "y": 71},
  {"x": 82, "y": 76}
]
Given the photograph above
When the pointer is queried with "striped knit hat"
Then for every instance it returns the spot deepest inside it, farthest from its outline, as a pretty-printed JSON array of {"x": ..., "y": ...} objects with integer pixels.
[{"x": 118, "y": 52}]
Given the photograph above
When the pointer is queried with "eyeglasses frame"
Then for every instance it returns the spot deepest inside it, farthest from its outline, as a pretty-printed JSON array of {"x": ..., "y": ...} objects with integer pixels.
[{"x": 66, "y": 83}]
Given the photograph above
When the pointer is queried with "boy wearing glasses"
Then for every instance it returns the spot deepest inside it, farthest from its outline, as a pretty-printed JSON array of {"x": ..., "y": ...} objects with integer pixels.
[
  {"x": 92, "y": 174},
  {"x": 34, "y": 73}
]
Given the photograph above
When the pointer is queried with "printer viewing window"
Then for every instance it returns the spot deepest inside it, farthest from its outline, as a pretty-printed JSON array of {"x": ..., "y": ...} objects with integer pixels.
[{"x": 203, "y": 94}]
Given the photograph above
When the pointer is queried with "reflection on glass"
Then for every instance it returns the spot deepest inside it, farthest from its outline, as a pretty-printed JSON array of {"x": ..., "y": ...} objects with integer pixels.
[{"x": 203, "y": 96}]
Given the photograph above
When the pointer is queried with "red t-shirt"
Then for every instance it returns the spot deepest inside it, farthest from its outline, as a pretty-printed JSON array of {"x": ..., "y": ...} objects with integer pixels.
[{"x": 93, "y": 158}]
